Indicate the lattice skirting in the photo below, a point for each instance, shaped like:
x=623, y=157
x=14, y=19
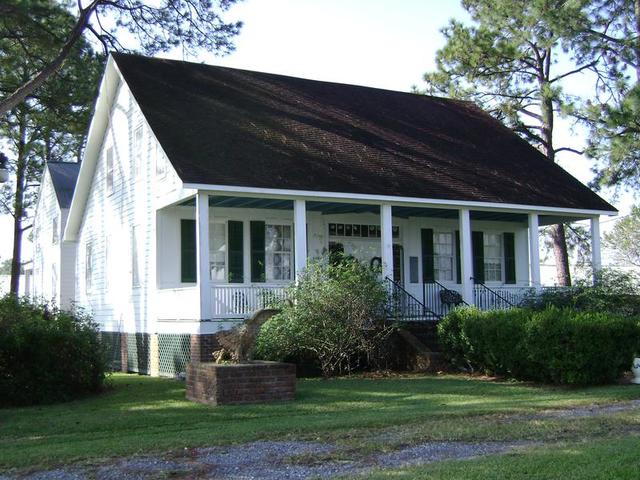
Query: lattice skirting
x=162, y=354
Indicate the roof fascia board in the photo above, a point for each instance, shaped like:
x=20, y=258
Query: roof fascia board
x=397, y=201
x=99, y=122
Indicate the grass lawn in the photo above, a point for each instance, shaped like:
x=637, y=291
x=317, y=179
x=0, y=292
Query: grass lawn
x=608, y=459
x=143, y=414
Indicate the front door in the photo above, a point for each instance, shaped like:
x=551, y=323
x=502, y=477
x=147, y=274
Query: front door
x=398, y=264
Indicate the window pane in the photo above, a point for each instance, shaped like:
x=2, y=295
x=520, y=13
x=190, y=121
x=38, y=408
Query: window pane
x=218, y=251
x=278, y=248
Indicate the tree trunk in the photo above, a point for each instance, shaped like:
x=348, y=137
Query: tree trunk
x=636, y=11
x=18, y=209
x=561, y=255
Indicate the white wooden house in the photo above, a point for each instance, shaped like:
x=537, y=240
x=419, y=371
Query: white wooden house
x=204, y=190
x=54, y=260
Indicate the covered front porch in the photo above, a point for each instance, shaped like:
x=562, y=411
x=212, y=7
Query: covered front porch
x=222, y=256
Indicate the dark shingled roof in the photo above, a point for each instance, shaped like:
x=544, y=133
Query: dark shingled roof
x=63, y=177
x=232, y=127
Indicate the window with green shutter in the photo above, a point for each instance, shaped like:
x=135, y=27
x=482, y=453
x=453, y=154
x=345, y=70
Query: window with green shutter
x=509, y=257
x=188, y=255
x=477, y=245
x=257, y=233
x=236, y=254
x=428, y=272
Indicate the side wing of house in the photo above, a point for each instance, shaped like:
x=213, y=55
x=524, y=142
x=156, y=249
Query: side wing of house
x=47, y=228
x=116, y=236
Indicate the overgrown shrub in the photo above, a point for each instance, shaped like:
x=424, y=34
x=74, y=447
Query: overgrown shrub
x=47, y=355
x=553, y=345
x=336, y=318
x=614, y=292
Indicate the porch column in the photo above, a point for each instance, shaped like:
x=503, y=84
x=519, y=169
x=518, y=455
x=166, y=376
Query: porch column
x=202, y=251
x=534, y=250
x=300, y=231
x=596, y=255
x=386, y=238
x=466, y=253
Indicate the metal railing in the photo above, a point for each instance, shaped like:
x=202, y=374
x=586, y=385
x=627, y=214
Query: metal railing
x=485, y=298
x=440, y=298
x=405, y=307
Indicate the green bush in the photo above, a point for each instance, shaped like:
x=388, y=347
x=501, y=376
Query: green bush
x=47, y=355
x=336, y=318
x=553, y=345
x=614, y=292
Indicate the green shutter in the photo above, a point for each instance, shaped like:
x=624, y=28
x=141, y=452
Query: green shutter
x=257, y=251
x=509, y=257
x=428, y=271
x=236, y=253
x=458, y=259
x=477, y=245
x=188, y=255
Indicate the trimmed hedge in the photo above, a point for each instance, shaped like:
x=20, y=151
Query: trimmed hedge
x=47, y=355
x=554, y=345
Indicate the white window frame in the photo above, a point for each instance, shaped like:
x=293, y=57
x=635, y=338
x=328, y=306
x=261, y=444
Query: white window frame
x=137, y=151
x=55, y=230
x=135, y=256
x=268, y=223
x=161, y=162
x=88, y=266
x=54, y=281
x=498, y=260
x=226, y=250
x=436, y=270
x=109, y=176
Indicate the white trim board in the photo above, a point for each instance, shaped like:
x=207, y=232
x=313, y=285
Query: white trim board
x=394, y=201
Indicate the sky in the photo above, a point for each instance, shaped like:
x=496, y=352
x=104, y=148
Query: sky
x=380, y=43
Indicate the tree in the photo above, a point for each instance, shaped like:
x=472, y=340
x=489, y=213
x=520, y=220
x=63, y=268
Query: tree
x=614, y=115
x=514, y=61
x=49, y=124
x=156, y=26
x=624, y=239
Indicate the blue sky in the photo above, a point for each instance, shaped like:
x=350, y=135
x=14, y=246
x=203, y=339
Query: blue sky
x=379, y=43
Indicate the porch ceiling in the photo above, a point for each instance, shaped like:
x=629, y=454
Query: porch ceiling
x=333, y=208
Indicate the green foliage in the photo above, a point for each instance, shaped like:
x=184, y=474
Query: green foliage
x=624, y=238
x=47, y=355
x=553, y=345
x=335, y=318
x=614, y=292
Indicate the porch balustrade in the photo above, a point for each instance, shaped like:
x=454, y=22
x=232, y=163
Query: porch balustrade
x=240, y=301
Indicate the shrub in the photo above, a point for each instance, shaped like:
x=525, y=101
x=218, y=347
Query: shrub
x=614, y=292
x=335, y=319
x=47, y=355
x=552, y=345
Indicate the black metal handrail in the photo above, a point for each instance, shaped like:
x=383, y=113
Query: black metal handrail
x=494, y=293
x=447, y=289
x=411, y=307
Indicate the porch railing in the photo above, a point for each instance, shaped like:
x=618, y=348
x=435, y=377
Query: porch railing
x=240, y=301
x=405, y=307
x=440, y=298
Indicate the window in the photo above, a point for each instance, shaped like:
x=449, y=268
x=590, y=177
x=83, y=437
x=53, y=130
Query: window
x=493, y=257
x=109, y=171
x=137, y=150
x=55, y=233
x=135, y=266
x=443, y=256
x=161, y=161
x=88, y=266
x=54, y=281
x=278, y=249
x=218, y=251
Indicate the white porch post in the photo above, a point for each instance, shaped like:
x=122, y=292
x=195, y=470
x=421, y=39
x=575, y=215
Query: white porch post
x=466, y=262
x=202, y=249
x=596, y=255
x=300, y=230
x=386, y=238
x=534, y=250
